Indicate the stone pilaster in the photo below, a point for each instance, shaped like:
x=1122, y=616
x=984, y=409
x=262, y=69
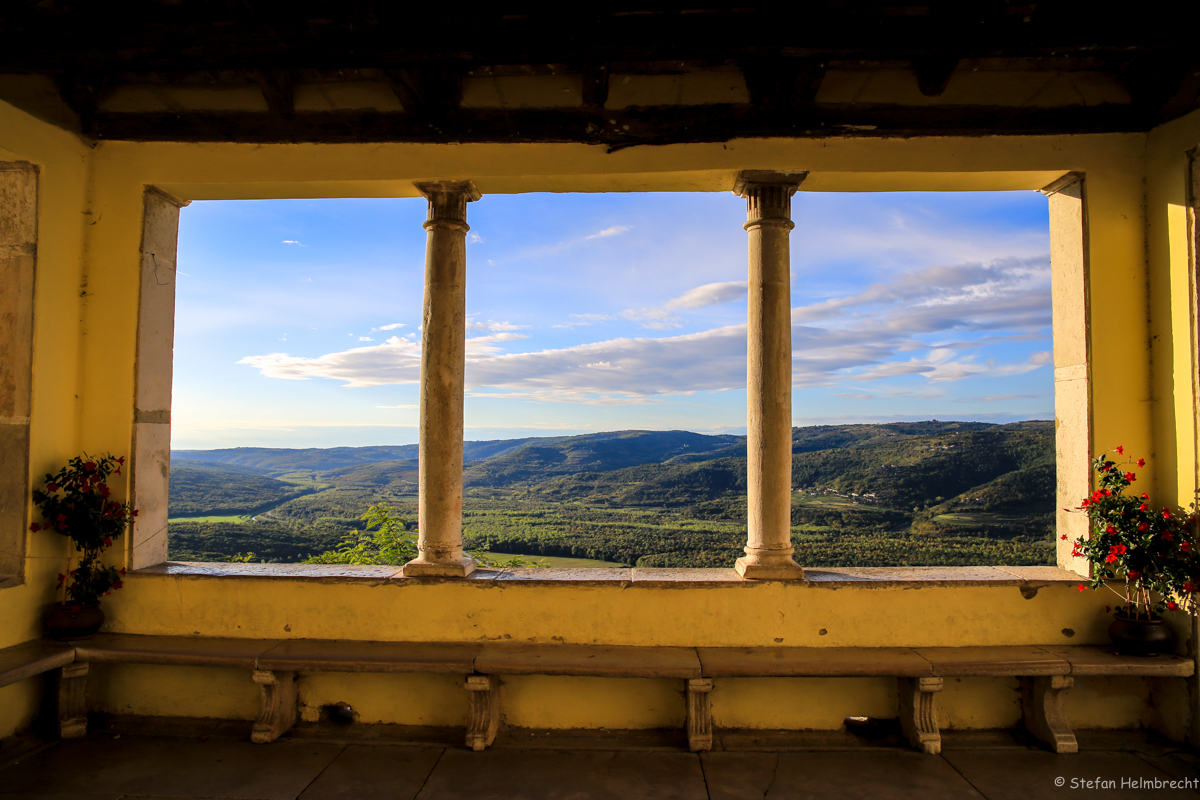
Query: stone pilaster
x=443, y=362
x=769, y=376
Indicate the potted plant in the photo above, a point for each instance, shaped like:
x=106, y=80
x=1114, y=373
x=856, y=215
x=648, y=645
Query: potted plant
x=1148, y=550
x=76, y=503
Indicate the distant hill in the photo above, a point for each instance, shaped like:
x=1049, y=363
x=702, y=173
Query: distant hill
x=595, y=452
x=200, y=488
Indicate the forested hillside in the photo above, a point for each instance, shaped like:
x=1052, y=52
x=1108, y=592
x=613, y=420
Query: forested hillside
x=867, y=495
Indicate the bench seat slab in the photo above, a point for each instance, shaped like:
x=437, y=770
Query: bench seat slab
x=186, y=651
x=918, y=713
x=594, y=660
x=331, y=655
x=1016, y=660
x=1098, y=660
x=812, y=662
x=31, y=658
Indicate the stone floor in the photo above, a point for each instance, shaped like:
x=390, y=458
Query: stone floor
x=146, y=762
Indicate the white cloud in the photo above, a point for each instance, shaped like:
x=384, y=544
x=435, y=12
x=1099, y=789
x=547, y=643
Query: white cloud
x=408, y=407
x=293, y=241
x=391, y=327
x=710, y=294
x=860, y=338
x=995, y=398
x=475, y=238
x=615, y=230
x=365, y=339
x=492, y=325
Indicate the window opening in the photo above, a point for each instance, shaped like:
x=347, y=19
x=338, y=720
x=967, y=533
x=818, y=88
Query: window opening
x=605, y=402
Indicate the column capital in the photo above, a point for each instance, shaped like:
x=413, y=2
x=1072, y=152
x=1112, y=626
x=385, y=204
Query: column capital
x=448, y=201
x=768, y=194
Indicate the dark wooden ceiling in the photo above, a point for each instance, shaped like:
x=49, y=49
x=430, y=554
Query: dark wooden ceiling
x=62, y=60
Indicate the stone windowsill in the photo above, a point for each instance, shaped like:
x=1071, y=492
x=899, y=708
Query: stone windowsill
x=9, y=581
x=850, y=577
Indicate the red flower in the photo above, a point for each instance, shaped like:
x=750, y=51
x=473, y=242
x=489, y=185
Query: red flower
x=1120, y=450
x=107, y=542
x=1085, y=503
x=1134, y=574
x=35, y=527
x=1119, y=549
x=90, y=466
x=1081, y=587
x=121, y=460
x=1129, y=476
x=1110, y=529
x=1143, y=527
x=117, y=584
x=1189, y=587
x=52, y=487
x=1171, y=604
x=1110, y=558
x=1168, y=536
x=1185, y=547
x=1141, y=462
x=1063, y=537
x=104, y=491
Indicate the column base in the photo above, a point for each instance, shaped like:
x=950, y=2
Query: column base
x=455, y=568
x=762, y=567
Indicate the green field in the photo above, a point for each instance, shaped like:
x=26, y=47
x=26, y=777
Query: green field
x=551, y=561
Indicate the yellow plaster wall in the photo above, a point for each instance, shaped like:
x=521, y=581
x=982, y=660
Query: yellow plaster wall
x=85, y=343
x=54, y=424
x=1173, y=313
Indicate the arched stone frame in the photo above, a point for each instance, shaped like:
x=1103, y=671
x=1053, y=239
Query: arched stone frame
x=150, y=465
x=18, y=267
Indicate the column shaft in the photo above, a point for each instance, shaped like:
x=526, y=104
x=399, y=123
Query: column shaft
x=443, y=362
x=769, y=378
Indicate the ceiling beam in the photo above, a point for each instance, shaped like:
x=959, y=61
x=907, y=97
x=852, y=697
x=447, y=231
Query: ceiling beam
x=617, y=129
x=277, y=90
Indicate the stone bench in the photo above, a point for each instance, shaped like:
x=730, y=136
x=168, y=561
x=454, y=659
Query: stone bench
x=1046, y=673
x=29, y=659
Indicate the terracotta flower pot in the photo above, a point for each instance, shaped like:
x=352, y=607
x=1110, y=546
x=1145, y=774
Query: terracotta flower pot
x=68, y=621
x=1141, y=637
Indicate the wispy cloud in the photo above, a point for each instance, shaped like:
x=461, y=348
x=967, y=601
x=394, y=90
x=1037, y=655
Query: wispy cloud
x=615, y=230
x=871, y=336
x=996, y=398
x=365, y=339
x=393, y=326
x=293, y=241
x=710, y=294
x=492, y=325
x=402, y=406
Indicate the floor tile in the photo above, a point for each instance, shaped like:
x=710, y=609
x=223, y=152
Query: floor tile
x=176, y=767
x=560, y=775
x=367, y=772
x=879, y=775
x=1008, y=775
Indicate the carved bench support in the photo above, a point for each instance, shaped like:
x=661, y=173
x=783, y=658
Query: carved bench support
x=699, y=714
x=918, y=713
x=1042, y=700
x=72, y=700
x=483, y=710
x=277, y=712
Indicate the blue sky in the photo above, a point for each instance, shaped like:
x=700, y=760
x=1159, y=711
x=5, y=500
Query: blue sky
x=297, y=321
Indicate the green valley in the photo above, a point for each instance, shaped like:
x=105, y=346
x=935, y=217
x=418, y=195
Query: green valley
x=922, y=493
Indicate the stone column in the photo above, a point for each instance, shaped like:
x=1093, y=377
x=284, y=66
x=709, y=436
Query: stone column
x=769, y=376
x=443, y=361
